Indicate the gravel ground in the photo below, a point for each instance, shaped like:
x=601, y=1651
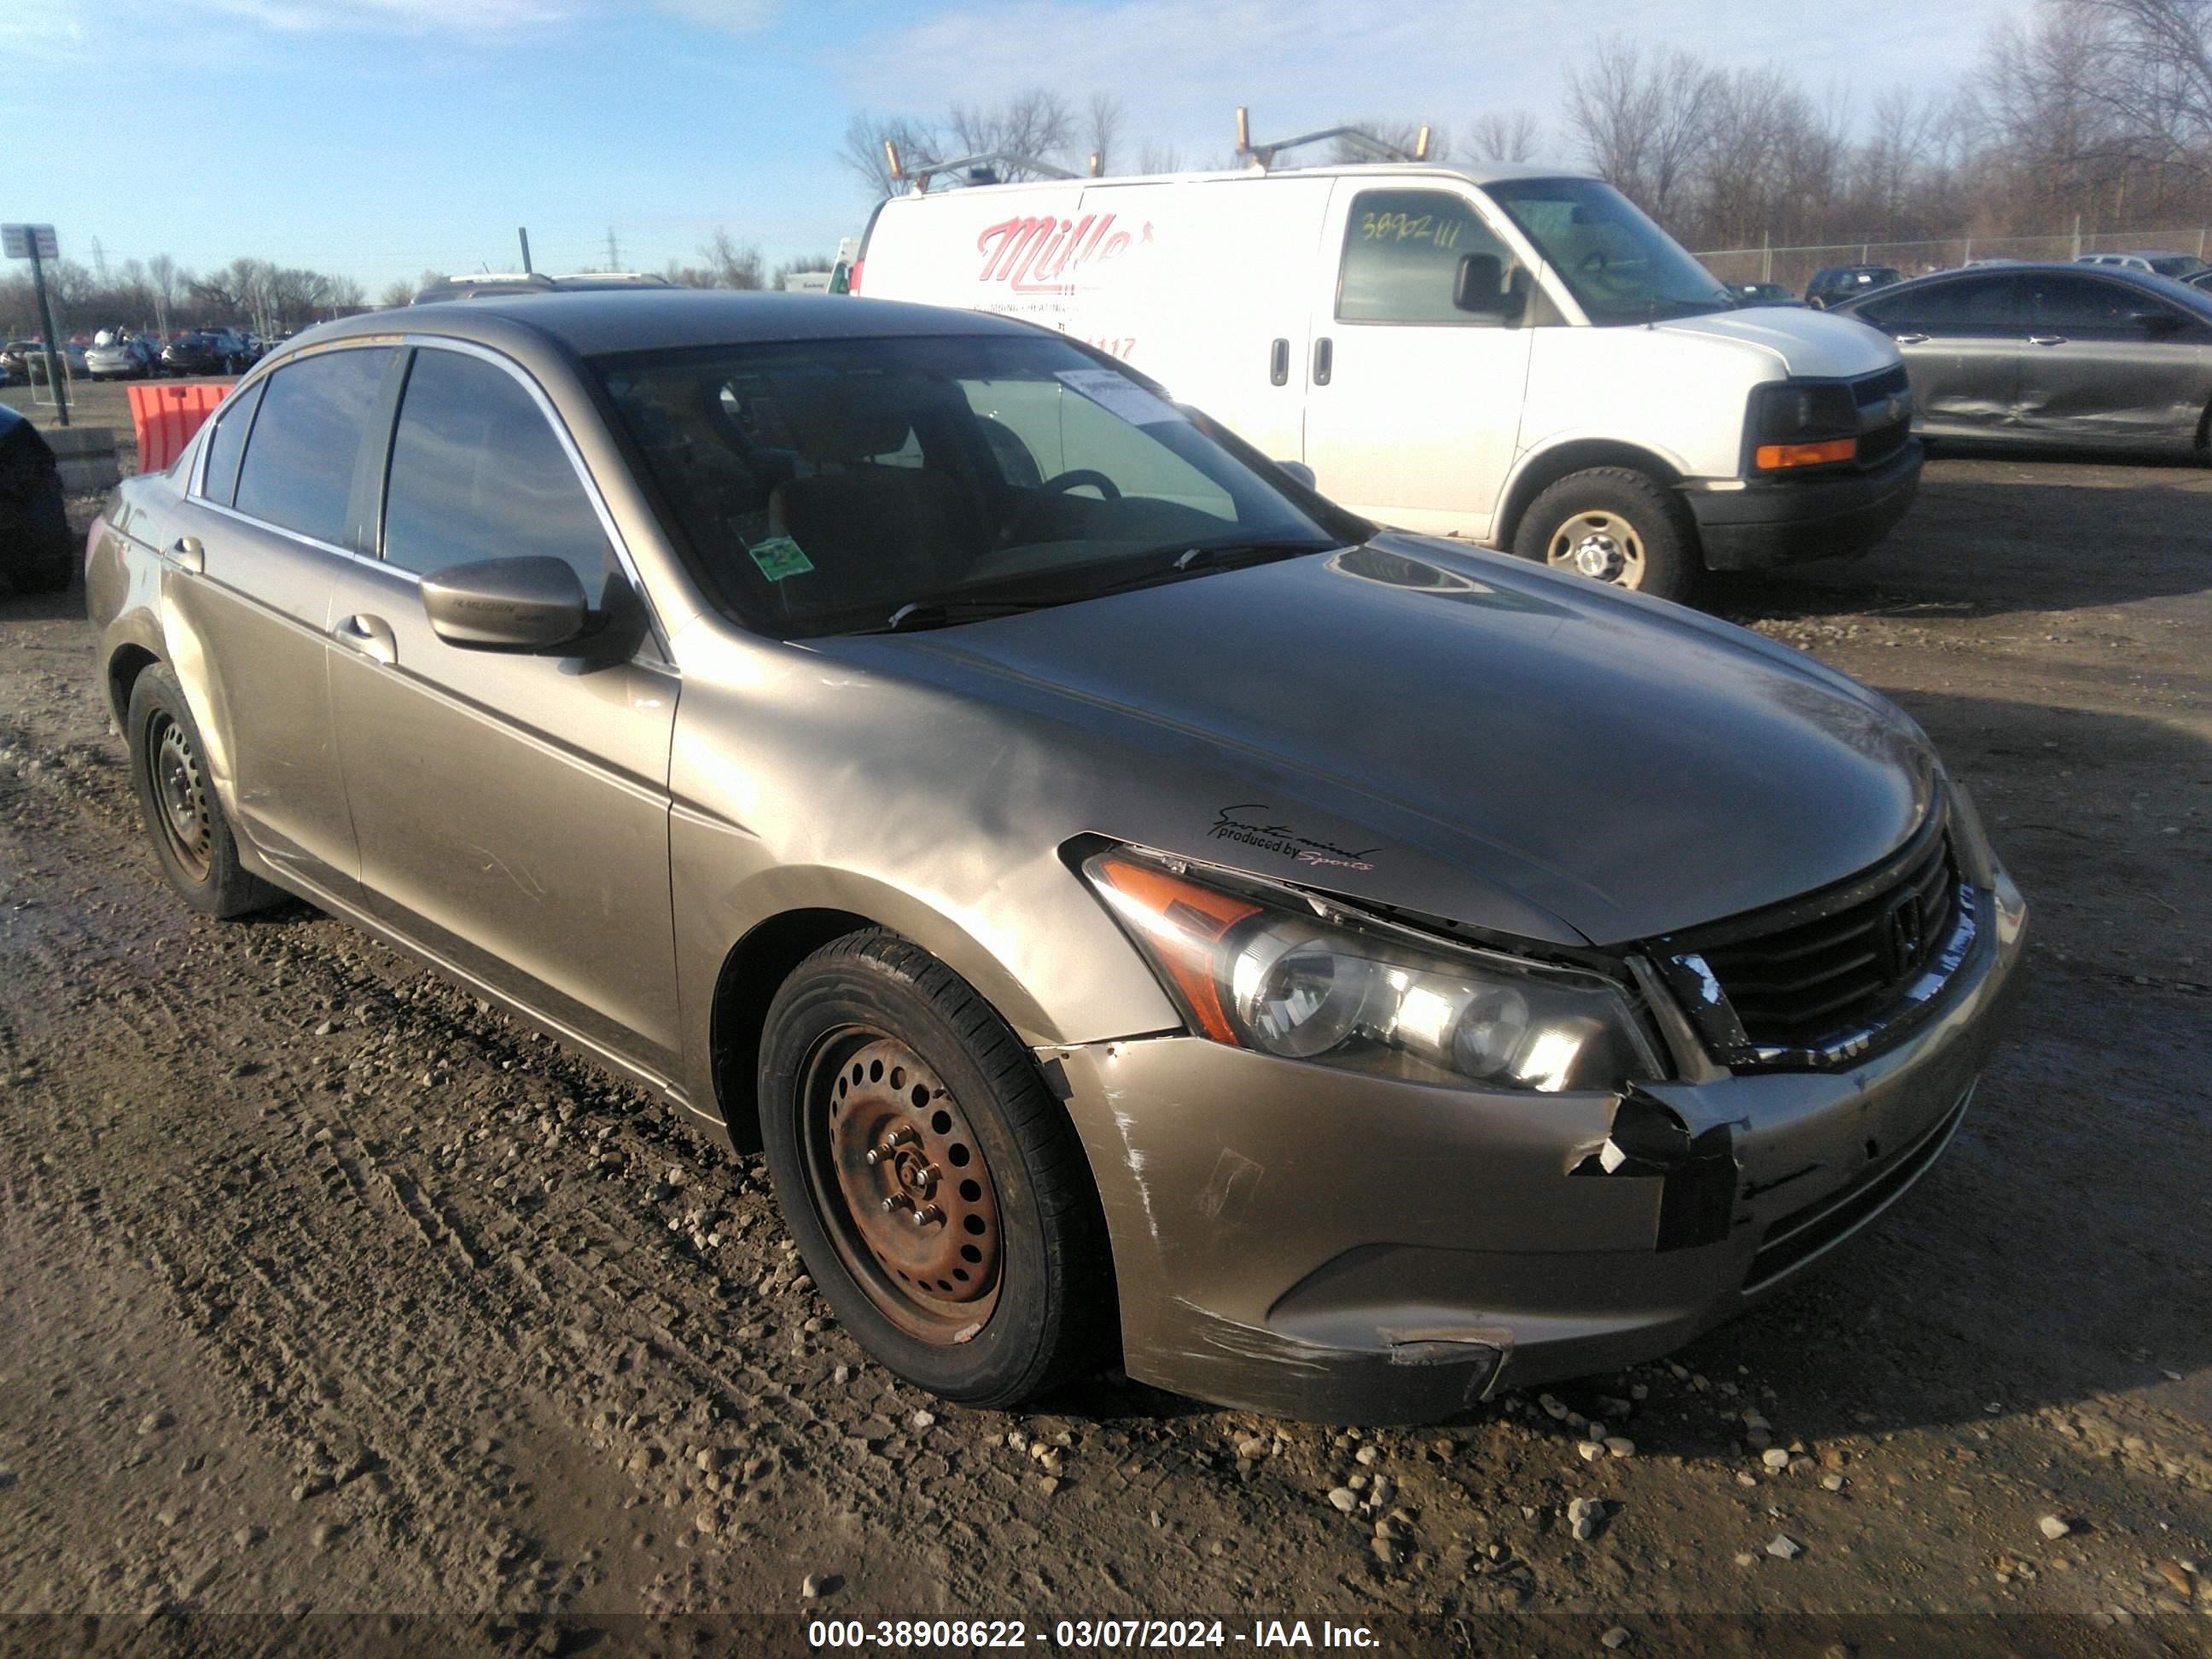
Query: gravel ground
x=325, y=1287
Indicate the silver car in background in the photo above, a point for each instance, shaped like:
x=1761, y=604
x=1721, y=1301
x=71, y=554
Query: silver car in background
x=1136, y=904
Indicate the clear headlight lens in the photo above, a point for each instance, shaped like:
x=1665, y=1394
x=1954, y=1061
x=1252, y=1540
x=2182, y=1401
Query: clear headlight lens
x=1259, y=969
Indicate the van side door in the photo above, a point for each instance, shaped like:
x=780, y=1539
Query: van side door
x=1413, y=398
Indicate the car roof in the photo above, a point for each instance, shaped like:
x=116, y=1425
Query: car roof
x=2148, y=281
x=597, y=322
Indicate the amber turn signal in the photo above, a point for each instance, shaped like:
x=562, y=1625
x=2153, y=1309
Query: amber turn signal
x=1774, y=458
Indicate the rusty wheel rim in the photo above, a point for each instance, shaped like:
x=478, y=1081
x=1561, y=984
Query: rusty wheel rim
x=181, y=793
x=901, y=1182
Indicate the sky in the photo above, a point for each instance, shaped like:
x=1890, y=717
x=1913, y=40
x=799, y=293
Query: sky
x=376, y=138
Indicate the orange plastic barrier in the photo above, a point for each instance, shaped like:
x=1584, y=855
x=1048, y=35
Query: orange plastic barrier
x=165, y=417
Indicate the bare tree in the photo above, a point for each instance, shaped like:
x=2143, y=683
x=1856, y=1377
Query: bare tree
x=1153, y=158
x=727, y=265
x=1644, y=122
x=2156, y=56
x=1036, y=124
x=1504, y=135
x=1101, y=131
x=862, y=152
x=396, y=295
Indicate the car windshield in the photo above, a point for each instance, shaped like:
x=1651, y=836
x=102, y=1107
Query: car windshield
x=1620, y=267
x=838, y=486
x=2182, y=266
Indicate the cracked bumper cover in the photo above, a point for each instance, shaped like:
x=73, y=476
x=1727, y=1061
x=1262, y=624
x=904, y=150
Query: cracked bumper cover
x=1318, y=1243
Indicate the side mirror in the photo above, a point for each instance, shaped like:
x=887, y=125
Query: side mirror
x=1478, y=285
x=1299, y=473
x=506, y=605
x=2156, y=322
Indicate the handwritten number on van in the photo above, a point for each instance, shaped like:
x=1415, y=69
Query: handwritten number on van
x=1411, y=227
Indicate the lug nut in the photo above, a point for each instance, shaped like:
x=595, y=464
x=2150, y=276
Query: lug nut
x=925, y=1217
x=898, y=1201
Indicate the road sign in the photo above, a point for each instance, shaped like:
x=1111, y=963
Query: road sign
x=21, y=241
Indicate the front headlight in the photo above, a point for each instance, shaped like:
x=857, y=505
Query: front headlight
x=1265, y=968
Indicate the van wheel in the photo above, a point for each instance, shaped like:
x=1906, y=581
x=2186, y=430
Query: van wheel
x=935, y=1188
x=1614, y=525
x=191, y=837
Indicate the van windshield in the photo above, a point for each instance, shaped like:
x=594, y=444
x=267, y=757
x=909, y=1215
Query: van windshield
x=1620, y=267
x=860, y=485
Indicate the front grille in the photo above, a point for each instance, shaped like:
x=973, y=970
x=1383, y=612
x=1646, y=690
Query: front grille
x=1876, y=387
x=1800, y=984
x=1825, y=980
x=1885, y=426
x=1799, y=1237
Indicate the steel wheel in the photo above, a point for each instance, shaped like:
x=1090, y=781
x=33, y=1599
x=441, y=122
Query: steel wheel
x=181, y=793
x=1602, y=545
x=899, y=1178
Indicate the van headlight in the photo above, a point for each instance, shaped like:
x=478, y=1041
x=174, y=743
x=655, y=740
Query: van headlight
x=1265, y=968
x=1798, y=423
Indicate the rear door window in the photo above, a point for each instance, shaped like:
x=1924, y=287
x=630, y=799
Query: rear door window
x=1973, y=305
x=299, y=467
x=477, y=473
x=2085, y=306
x=227, y=444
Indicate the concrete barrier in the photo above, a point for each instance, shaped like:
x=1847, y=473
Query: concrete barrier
x=85, y=456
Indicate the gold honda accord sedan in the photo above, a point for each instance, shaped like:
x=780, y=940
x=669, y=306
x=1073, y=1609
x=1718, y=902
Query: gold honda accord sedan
x=1137, y=905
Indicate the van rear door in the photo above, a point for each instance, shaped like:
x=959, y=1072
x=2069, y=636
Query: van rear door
x=1412, y=402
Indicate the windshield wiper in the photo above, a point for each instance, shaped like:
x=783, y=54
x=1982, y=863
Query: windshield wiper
x=917, y=614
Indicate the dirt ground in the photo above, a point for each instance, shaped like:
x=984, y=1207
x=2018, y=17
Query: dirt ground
x=322, y=1287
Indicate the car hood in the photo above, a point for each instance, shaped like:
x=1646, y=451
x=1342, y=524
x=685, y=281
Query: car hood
x=1809, y=343
x=1454, y=733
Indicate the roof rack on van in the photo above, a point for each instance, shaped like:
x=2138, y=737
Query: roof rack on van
x=983, y=162
x=1263, y=156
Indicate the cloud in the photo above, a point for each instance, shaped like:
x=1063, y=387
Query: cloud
x=730, y=16
x=1182, y=66
x=478, y=17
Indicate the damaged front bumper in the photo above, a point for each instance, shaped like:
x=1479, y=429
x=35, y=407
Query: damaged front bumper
x=1319, y=1244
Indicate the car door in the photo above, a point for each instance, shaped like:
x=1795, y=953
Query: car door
x=261, y=534
x=1412, y=404
x=2112, y=363
x=1961, y=341
x=512, y=808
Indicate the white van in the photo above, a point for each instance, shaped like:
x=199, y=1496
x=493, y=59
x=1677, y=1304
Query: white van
x=1511, y=353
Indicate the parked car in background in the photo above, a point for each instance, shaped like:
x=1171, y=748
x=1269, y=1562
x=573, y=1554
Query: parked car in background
x=192, y=353
x=1835, y=284
x=1763, y=294
x=33, y=366
x=1138, y=904
x=2180, y=266
x=2202, y=279
x=2106, y=356
x=124, y=357
x=1426, y=341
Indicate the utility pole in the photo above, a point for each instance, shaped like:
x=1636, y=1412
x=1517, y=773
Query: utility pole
x=37, y=244
x=614, y=250
x=523, y=232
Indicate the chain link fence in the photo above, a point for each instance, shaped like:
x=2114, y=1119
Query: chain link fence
x=1793, y=267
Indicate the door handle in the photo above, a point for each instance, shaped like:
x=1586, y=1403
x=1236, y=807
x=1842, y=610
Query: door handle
x=186, y=554
x=371, y=637
x=1279, y=363
x=2046, y=339
x=1909, y=339
x=1324, y=359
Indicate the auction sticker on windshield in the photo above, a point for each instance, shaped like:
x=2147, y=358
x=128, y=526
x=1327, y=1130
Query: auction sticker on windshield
x=1118, y=396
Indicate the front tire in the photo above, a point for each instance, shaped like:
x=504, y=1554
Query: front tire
x=1616, y=525
x=192, y=839
x=935, y=1188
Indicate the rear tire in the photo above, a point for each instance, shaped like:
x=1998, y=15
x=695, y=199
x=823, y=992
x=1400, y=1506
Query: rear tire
x=935, y=1188
x=192, y=839
x=1618, y=526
